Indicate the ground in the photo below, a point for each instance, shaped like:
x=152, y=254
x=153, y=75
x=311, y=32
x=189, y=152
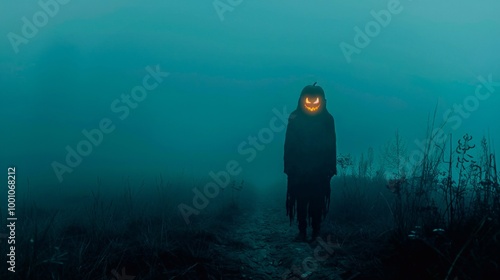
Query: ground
x=247, y=238
x=259, y=245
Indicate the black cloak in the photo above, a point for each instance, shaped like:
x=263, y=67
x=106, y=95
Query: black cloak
x=310, y=156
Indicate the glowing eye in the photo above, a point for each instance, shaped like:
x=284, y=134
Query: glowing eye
x=307, y=100
x=317, y=100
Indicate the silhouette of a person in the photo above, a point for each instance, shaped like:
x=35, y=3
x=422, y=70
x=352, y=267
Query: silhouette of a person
x=310, y=160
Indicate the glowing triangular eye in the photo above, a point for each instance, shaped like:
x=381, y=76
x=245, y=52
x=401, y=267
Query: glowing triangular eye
x=307, y=100
x=317, y=100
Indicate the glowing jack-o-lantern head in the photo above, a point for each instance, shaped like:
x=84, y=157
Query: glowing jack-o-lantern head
x=312, y=104
x=312, y=99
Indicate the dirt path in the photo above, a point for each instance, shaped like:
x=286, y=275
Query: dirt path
x=263, y=248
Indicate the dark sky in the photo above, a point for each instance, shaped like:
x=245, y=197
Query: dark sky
x=228, y=70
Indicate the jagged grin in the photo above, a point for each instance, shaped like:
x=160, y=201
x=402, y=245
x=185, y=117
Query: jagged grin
x=312, y=106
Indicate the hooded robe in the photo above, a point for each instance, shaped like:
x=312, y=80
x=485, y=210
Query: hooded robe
x=310, y=156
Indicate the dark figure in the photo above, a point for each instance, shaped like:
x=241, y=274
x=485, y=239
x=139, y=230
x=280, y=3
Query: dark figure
x=310, y=160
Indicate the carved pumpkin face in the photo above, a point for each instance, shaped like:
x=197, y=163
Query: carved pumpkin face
x=312, y=104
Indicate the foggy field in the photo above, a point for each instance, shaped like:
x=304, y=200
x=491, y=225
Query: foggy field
x=376, y=229
x=174, y=139
x=245, y=237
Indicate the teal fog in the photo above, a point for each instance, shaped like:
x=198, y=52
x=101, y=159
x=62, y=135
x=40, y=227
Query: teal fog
x=186, y=87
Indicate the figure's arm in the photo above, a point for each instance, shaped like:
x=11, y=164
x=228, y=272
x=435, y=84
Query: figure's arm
x=289, y=149
x=334, y=153
x=332, y=149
